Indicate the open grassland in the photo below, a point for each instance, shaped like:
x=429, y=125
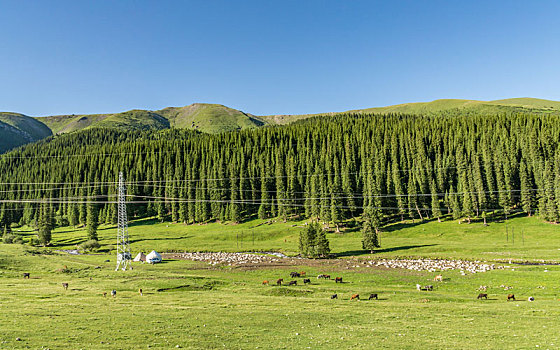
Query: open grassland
x=196, y=306
x=519, y=238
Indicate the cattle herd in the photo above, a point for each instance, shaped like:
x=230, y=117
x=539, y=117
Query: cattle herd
x=302, y=274
x=356, y=296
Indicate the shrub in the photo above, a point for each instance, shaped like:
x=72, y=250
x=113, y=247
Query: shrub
x=91, y=245
x=12, y=239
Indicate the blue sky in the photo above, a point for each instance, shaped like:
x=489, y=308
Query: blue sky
x=272, y=57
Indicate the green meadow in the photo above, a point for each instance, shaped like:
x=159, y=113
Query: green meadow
x=195, y=306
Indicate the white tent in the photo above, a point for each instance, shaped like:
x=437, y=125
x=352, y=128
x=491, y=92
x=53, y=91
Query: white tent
x=140, y=257
x=153, y=257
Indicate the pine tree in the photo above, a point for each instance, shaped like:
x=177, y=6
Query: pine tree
x=321, y=242
x=436, y=211
x=44, y=224
x=370, y=239
x=92, y=217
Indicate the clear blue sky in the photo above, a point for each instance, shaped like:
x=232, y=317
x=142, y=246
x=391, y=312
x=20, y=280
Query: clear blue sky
x=272, y=57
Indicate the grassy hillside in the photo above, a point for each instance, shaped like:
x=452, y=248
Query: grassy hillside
x=18, y=129
x=443, y=106
x=520, y=105
x=61, y=124
x=210, y=118
x=207, y=307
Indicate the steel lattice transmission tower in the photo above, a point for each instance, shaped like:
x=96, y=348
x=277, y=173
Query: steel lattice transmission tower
x=124, y=258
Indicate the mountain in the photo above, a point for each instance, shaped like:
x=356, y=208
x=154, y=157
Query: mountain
x=209, y=118
x=513, y=105
x=18, y=129
x=443, y=106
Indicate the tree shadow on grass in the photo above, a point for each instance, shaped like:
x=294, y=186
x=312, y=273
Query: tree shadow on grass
x=386, y=250
x=403, y=225
x=160, y=239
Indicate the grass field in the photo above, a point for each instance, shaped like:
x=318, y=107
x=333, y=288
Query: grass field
x=229, y=308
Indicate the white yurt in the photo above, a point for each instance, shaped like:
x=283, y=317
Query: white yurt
x=153, y=257
x=140, y=257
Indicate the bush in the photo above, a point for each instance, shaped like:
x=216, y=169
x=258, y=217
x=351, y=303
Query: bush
x=12, y=239
x=90, y=246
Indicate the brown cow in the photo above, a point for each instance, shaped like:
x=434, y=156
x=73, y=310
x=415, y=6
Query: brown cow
x=302, y=273
x=104, y=294
x=355, y=296
x=265, y=282
x=65, y=285
x=482, y=295
x=511, y=297
x=26, y=275
x=438, y=278
x=338, y=279
x=279, y=281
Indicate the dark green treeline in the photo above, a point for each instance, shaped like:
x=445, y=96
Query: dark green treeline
x=331, y=168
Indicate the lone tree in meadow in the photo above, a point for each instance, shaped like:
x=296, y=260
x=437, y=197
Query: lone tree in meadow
x=44, y=224
x=321, y=242
x=92, y=218
x=313, y=242
x=370, y=239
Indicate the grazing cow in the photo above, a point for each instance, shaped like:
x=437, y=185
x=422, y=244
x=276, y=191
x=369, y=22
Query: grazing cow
x=294, y=274
x=104, y=294
x=302, y=273
x=279, y=281
x=425, y=288
x=338, y=279
x=65, y=285
x=113, y=293
x=292, y=283
x=438, y=278
x=531, y=299
x=26, y=275
x=510, y=297
x=355, y=296
x=140, y=291
x=373, y=296
x=334, y=296
x=306, y=280
x=265, y=282
x=324, y=276
x=482, y=295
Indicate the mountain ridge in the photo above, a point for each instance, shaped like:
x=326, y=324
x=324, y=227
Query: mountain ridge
x=17, y=129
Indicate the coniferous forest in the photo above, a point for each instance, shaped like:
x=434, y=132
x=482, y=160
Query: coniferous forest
x=333, y=168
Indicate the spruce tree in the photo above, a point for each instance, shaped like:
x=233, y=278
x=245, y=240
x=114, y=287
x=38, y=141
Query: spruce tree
x=92, y=217
x=321, y=242
x=44, y=224
x=370, y=239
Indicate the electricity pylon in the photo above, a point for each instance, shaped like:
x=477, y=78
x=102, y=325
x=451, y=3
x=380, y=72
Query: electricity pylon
x=124, y=258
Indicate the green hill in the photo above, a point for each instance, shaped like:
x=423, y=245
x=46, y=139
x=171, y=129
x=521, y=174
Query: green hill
x=18, y=129
x=443, y=106
x=210, y=118
x=521, y=105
